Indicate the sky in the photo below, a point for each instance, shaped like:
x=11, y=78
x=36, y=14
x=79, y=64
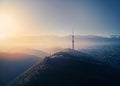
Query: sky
x=59, y=17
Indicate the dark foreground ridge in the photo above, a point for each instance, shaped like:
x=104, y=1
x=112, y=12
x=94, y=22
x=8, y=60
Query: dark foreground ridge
x=69, y=68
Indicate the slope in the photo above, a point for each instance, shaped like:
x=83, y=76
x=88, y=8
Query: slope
x=11, y=65
x=69, y=68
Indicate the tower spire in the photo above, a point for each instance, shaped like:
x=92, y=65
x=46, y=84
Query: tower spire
x=72, y=39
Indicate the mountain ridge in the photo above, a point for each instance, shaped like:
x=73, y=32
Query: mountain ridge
x=65, y=69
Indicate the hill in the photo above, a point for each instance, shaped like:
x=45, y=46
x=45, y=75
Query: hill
x=107, y=54
x=13, y=64
x=69, y=68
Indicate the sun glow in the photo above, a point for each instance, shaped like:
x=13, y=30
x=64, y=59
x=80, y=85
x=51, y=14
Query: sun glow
x=7, y=25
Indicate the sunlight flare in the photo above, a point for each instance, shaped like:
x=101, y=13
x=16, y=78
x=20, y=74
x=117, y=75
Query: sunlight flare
x=7, y=26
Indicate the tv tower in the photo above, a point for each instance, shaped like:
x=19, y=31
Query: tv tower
x=72, y=39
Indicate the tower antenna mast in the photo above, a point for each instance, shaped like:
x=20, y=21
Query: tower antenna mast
x=73, y=39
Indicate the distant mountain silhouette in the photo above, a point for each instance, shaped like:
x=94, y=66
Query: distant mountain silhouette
x=81, y=41
x=30, y=51
x=13, y=64
x=69, y=68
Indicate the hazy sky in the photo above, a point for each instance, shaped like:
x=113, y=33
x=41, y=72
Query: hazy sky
x=58, y=17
